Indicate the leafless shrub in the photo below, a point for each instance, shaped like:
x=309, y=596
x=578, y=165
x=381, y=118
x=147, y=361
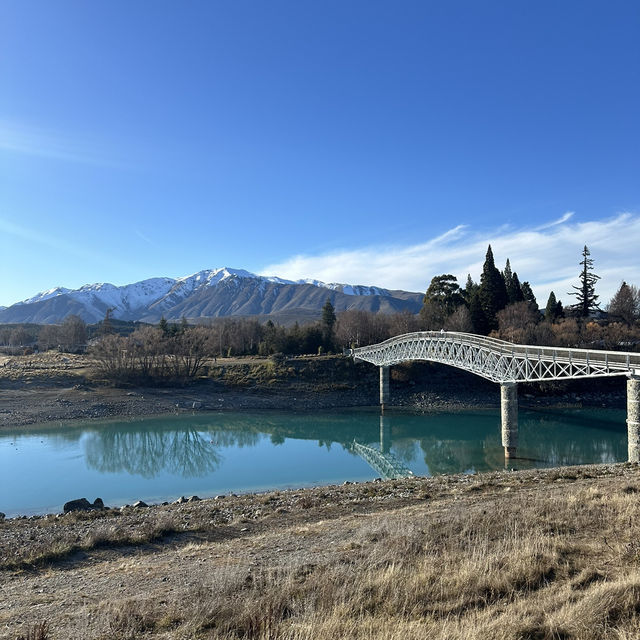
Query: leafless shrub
x=149, y=354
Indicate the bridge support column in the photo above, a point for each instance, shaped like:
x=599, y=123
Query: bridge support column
x=384, y=387
x=509, y=415
x=633, y=417
x=385, y=434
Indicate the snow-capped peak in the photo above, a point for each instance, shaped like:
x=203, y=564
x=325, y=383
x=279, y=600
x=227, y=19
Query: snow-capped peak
x=45, y=295
x=164, y=292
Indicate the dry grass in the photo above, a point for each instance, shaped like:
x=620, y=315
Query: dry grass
x=529, y=567
x=553, y=558
x=107, y=533
x=39, y=631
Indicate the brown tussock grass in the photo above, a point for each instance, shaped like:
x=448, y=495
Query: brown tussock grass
x=557, y=560
x=102, y=535
x=519, y=568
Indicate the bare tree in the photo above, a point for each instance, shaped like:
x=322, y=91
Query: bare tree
x=459, y=320
x=516, y=322
x=73, y=333
x=48, y=336
x=625, y=304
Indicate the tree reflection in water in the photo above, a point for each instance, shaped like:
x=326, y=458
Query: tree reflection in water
x=449, y=443
x=546, y=440
x=186, y=452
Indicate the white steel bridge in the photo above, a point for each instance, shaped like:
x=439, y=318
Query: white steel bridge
x=508, y=364
x=497, y=360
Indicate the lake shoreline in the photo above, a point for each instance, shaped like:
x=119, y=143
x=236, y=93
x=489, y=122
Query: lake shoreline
x=155, y=561
x=39, y=405
x=54, y=388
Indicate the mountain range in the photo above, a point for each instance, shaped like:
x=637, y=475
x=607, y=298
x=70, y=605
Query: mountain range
x=207, y=294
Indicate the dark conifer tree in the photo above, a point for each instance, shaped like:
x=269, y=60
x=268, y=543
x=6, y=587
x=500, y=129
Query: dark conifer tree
x=493, y=292
x=478, y=318
x=514, y=292
x=163, y=325
x=507, y=276
x=551, y=310
x=468, y=290
x=445, y=292
x=586, y=298
x=328, y=322
x=527, y=295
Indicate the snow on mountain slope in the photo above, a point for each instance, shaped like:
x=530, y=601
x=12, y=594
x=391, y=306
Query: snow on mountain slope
x=235, y=290
x=45, y=295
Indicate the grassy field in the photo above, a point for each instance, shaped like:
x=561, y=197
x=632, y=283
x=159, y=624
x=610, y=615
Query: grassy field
x=513, y=555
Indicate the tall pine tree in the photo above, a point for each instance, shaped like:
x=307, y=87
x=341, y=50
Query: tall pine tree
x=527, y=295
x=469, y=289
x=514, y=292
x=585, y=292
x=327, y=323
x=478, y=319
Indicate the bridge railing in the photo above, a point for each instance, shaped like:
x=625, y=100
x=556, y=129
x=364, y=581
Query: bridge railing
x=615, y=360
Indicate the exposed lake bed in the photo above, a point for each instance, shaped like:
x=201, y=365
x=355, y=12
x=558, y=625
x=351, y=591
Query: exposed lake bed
x=157, y=571
x=53, y=387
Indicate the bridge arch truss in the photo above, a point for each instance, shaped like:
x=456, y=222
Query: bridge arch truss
x=498, y=360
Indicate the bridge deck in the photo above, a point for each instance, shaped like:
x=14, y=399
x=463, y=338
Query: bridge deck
x=498, y=360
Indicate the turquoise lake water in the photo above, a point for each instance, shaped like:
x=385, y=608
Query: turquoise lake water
x=207, y=454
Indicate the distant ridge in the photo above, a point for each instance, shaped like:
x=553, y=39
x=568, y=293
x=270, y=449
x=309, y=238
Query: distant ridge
x=210, y=293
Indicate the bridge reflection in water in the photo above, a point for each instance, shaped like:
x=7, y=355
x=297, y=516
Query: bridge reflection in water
x=508, y=364
x=382, y=460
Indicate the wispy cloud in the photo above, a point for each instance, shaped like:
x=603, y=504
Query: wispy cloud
x=23, y=139
x=567, y=216
x=146, y=239
x=546, y=255
x=61, y=247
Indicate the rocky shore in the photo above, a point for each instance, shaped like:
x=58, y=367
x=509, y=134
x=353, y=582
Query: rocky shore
x=55, y=387
x=167, y=571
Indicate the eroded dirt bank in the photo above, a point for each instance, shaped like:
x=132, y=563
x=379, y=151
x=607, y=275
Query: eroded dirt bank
x=53, y=387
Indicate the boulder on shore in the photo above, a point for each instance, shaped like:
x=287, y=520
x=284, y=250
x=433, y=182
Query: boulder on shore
x=82, y=504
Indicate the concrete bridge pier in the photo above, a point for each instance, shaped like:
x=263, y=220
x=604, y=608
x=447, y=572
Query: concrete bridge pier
x=509, y=416
x=384, y=387
x=633, y=416
x=385, y=434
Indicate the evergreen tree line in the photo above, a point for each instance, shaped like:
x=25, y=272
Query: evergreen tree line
x=503, y=307
x=475, y=307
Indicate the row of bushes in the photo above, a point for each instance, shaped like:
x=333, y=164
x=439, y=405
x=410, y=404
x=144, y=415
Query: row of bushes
x=151, y=354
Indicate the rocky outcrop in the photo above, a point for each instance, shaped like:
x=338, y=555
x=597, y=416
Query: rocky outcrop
x=82, y=504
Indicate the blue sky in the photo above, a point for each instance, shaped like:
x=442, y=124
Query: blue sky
x=364, y=142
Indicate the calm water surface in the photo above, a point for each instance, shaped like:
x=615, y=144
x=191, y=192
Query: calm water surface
x=206, y=454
